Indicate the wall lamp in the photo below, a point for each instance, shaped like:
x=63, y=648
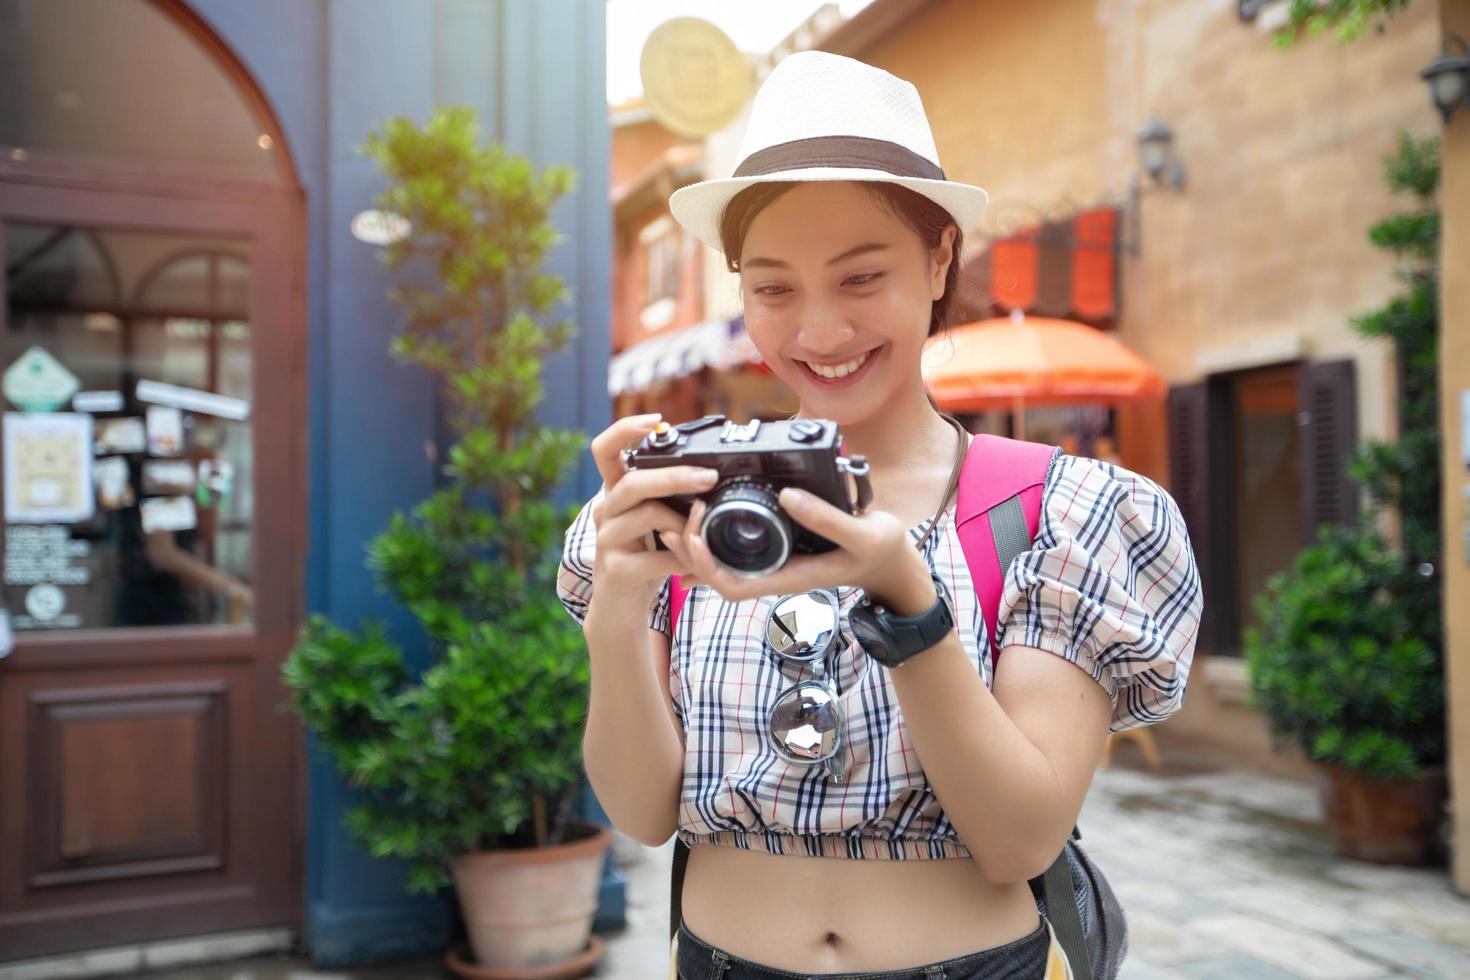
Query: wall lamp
x=1448, y=76
x=1156, y=154
x=1157, y=158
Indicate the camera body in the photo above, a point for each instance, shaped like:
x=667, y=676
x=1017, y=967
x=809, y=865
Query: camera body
x=745, y=527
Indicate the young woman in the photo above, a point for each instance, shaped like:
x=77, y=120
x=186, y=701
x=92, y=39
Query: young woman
x=907, y=854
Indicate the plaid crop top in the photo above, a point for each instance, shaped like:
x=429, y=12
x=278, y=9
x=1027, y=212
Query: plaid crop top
x=1110, y=585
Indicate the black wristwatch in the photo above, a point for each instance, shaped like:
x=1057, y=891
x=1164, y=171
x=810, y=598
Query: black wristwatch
x=891, y=639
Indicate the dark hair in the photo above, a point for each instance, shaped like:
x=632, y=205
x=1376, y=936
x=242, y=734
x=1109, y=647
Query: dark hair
x=925, y=217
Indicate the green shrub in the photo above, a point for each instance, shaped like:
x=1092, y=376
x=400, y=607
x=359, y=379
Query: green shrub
x=482, y=751
x=1350, y=18
x=1341, y=667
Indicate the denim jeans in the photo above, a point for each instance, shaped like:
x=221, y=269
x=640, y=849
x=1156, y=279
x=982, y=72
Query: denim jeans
x=1023, y=959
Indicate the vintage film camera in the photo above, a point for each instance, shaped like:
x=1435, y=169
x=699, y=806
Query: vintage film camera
x=745, y=528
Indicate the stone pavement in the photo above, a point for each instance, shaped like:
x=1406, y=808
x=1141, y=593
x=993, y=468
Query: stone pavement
x=1231, y=874
x=1225, y=875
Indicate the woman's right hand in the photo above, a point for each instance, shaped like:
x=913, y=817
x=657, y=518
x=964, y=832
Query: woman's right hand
x=630, y=512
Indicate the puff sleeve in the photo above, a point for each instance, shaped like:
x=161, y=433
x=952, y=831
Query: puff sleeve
x=574, y=576
x=1110, y=583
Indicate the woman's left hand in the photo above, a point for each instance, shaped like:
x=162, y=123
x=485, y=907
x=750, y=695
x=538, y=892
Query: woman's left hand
x=873, y=553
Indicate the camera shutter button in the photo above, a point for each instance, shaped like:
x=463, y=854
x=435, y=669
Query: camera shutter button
x=663, y=435
x=806, y=430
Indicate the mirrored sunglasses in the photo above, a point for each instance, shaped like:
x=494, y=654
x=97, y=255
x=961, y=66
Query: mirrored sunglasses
x=806, y=721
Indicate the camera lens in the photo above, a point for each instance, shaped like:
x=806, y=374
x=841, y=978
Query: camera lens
x=745, y=529
x=747, y=532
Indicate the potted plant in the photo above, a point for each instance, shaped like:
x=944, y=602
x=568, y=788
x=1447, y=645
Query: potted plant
x=469, y=769
x=1342, y=667
x=1348, y=660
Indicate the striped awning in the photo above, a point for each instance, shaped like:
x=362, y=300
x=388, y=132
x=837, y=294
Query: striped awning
x=721, y=345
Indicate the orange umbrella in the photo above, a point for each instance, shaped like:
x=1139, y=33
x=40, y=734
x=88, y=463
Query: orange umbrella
x=1020, y=360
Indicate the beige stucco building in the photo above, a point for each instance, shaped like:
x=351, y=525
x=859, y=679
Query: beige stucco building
x=1239, y=285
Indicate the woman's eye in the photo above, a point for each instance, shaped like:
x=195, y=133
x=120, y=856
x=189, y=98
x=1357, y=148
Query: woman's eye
x=862, y=278
x=770, y=290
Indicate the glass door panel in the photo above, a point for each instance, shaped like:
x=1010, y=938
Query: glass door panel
x=1268, y=480
x=127, y=451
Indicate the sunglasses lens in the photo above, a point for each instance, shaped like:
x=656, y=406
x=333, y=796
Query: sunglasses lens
x=802, y=626
x=805, y=724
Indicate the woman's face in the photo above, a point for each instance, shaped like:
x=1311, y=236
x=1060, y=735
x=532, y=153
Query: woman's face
x=837, y=293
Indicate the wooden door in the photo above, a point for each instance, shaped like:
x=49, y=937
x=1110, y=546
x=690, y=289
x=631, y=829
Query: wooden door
x=150, y=785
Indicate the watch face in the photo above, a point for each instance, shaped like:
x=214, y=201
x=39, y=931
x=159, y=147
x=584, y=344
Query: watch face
x=869, y=634
x=941, y=591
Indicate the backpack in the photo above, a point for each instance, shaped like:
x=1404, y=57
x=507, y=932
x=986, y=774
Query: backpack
x=997, y=513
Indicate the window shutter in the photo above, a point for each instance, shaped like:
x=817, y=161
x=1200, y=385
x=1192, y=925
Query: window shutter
x=1190, y=457
x=1013, y=270
x=1054, y=269
x=1329, y=435
x=1095, y=266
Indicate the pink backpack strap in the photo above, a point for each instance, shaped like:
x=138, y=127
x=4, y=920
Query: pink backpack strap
x=677, y=595
x=996, y=471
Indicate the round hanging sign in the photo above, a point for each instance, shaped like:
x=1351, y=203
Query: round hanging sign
x=695, y=80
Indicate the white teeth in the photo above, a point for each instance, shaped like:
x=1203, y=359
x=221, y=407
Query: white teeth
x=839, y=370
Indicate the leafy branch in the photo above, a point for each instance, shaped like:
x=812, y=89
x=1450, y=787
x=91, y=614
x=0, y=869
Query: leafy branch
x=1351, y=19
x=483, y=749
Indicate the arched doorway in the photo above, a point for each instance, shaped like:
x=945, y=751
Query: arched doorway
x=153, y=350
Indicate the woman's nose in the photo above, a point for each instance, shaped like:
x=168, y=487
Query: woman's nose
x=824, y=330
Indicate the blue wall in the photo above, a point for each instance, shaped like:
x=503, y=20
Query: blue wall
x=332, y=69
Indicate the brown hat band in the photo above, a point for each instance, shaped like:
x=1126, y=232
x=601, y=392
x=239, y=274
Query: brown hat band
x=860, y=152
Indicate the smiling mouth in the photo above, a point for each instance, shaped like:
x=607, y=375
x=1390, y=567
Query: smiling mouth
x=833, y=372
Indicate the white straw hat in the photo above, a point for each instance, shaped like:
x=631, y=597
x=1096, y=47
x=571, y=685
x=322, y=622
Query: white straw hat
x=821, y=116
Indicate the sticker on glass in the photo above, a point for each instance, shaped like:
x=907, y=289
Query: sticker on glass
x=38, y=382
x=168, y=514
x=193, y=400
x=37, y=553
x=165, y=431
x=46, y=609
x=97, y=401
x=114, y=488
x=216, y=476
x=168, y=477
x=45, y=602
x=48, y=468
x=120, y=436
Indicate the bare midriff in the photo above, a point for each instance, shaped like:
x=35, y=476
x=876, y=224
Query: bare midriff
x=838, y=915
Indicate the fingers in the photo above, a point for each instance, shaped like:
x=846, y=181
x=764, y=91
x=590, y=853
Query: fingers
x=696, y=517
x=800, y=574
x=708, y=571
x=691, y=531
x=633, y=525
x=862, y=544
x=640, y=485
x=640, y=566
x=674, y=541
x=608, y=445
x=731, y=586
x=816, y=514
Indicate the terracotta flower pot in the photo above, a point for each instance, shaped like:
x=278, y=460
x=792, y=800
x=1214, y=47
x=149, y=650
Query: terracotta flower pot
x=1386, y=821
x=532, y=908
